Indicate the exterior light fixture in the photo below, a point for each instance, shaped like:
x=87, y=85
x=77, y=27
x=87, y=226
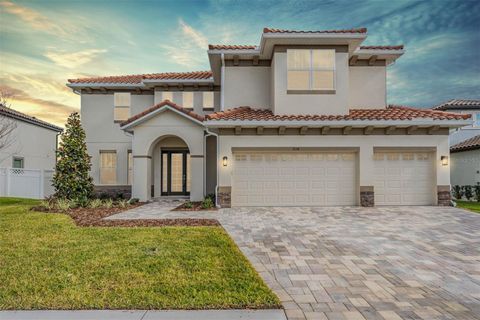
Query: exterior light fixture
x=225, y=161
x=444, y=160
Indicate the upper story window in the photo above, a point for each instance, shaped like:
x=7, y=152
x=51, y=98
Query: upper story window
x=167, y=95
x=121, y=106
x=311, y=69
x=207, y=100
x=187, y=99
x=476, y=117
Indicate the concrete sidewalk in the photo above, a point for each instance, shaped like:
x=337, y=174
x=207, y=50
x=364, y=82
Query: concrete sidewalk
x=144, y=315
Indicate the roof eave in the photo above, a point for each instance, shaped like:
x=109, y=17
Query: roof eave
x=337, y=123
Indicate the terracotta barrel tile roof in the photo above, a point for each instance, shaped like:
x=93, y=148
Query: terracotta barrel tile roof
x=10, y=113
x=160, y=105
x=469, y=144
x=231, y=47
x=397, y=47
x=273, y=30
x=459, y=104
x=390, y=113
x=137, y=78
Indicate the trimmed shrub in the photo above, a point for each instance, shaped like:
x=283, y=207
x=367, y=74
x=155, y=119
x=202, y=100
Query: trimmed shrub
x=457, y=192
x=477, y=192
x=468, y=192
x=207, y=203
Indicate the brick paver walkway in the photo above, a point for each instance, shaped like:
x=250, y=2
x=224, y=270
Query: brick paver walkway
x=359, y=263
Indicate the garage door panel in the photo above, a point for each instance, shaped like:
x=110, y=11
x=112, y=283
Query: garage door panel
x=294, y=179
x=403, y=178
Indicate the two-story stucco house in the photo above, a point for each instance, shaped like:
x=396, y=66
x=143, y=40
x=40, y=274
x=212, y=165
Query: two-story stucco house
x=31, y=143
x=299, y=120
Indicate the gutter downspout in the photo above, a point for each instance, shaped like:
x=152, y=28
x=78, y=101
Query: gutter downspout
x=222, y=83
x=209, y=133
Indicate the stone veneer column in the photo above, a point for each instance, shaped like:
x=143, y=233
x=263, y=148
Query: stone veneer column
x=225, y=197
x=367, y=196
x=444, y=196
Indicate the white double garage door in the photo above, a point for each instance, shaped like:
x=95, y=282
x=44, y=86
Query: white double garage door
x=330, y=178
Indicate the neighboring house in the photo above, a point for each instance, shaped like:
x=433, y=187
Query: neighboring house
x=463, y=106
x=32, y=144
x=466, y=162
x=299, y=120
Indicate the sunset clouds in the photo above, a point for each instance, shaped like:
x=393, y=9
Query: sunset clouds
x=43, y=43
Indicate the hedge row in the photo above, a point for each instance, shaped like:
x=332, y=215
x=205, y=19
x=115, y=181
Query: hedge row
x=466, y=192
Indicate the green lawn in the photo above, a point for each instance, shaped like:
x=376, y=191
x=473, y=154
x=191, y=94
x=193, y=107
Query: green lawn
x=46, y=262
x=472, y=206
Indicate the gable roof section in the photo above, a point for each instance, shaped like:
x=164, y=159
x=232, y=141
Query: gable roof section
x=166, y=104
x=138, y=78
x=469, y=144
x=14, y=114
x=390, y=113
x=459, y=104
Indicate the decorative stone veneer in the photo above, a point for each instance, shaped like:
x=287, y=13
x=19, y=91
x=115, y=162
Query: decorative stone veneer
x=114, y=191
x=367, y=196
x=225, y=197
x=444, y=196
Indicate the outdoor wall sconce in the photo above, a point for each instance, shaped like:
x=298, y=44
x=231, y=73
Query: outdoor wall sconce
x=444, y=160
x=225, y=161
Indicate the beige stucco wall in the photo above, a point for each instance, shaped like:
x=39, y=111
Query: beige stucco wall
x=368, y=87
x=363, y=144
x=145, y=139
x=465, y=167
x=36, y=145
x=311, y=103
x=247, y=86
x=104, y=134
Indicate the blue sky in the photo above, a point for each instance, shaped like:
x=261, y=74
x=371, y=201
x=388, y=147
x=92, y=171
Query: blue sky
x=43, y=43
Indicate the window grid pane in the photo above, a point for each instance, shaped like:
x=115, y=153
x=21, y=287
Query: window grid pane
x=108, y=167
x=311, y=69
x=187, y=100
x=167, y=95
x=207, y=100
x=130, y=168
x=121, y=113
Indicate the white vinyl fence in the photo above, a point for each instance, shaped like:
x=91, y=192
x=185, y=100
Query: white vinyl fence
x=26, y=183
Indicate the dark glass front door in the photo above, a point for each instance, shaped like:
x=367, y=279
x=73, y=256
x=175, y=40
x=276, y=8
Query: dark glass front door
x=175, y=173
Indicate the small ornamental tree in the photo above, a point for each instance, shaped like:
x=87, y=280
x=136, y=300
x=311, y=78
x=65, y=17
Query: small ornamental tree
x=71, y=179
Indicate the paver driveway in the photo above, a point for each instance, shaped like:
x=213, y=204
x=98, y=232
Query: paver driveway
x=361, y=263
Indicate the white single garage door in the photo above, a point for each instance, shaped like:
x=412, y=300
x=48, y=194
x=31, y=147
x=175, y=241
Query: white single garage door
x=404, y=178
x=294, y=179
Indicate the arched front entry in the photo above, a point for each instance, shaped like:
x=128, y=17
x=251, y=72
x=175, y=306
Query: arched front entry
x=167, y=136
x=171, y=167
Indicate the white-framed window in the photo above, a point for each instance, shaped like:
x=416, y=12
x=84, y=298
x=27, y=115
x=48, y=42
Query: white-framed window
x=187, y=99
x=108, y=167
x=130, y=167
x=18, y=163
x=311, y=69
x=167, y=95
x=208, y=100
x=122, y=101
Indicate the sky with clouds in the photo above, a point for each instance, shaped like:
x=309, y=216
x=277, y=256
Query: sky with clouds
x=43, y=43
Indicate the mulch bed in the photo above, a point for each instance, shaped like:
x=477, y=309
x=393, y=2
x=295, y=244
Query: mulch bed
x=93, y=217
x=196, y=206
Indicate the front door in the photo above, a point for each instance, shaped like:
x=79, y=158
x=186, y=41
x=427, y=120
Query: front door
x=175, y=172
